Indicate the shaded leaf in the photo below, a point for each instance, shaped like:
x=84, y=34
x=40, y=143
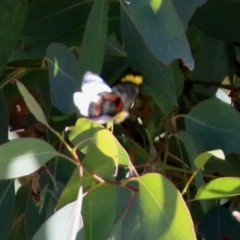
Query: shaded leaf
x=186, y=9
x=159, y=79
x=63, y=74
x=94, y=39
x=32, y=104
x=13, y=14
x=218, y=223
x=166, y=38
x=219, y=19
x=46, y=18
x=4, y=118
x=214, y=125
x=212, y=63
x=34, y=48
x=7, y=207
x=192, y=154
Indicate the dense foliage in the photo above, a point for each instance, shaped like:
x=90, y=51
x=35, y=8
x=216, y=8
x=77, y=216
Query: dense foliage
x=170, y=171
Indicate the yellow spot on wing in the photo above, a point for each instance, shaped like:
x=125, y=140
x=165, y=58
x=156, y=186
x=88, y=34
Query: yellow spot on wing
x=120, y=117
x=138, y=80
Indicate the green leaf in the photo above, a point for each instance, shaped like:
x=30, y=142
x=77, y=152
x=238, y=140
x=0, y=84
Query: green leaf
x=4, y=118
x=82, y=132
x=163, y=212
x=33, y=48
x=7, y=207
x=219, y=223
x=219, y=188
x=21, y=157
x=212, y=63
x=128, y=226
x=94, y=40
x=35, y=216
x=192, y=154
x=214, y=125
x=32, y=104
x=217, y=18
x=123, y=158
x=59, y=225
x=201, y=159
x=101, y=158
x=185, y=9
x=160, y=29
x=63, y=74
x=70, y=192
x=13, y=14
x=46, y=18
x=96, y=204
x=159, y=81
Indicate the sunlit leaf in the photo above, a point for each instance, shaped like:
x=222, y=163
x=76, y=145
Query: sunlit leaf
x=201, y=159
x=219, y=188
x=60, y=225
x=163, y=212
x=21, y=157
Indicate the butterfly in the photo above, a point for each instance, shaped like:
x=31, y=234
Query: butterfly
x=100, y=103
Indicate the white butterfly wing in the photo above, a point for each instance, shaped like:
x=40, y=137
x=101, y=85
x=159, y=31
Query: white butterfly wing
x=83, y=100
x=92, y=84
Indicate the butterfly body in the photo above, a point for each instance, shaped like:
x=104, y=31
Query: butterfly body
x=101, y=103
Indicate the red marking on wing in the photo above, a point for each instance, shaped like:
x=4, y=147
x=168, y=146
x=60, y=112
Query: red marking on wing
x=99, y=110
x=115, y=99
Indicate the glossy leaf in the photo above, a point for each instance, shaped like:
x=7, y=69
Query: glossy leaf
x=63, y=74
x=214, y=125
x=166, y=38
x=21, y=157
x=13, y=14
x=32, y=104
x=94, y=40
x=46, y=18
x=163, y=213
x=219, y=188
